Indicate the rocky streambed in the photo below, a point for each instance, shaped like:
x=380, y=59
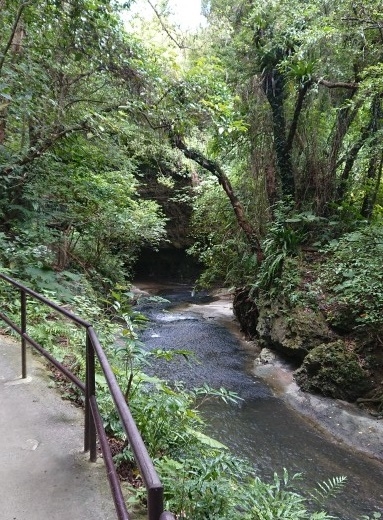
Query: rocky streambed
x=276, y=425
x=346, y=422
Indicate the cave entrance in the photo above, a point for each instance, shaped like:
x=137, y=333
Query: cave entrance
x=167, y=264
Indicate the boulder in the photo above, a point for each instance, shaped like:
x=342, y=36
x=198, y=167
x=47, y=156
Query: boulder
x=246, y=311
x=292, y=331
x=333, y=370
x=265, y=357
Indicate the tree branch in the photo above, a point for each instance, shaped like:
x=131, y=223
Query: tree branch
x=337, y=84
x=179, y=45
x=298, y=108
x=56, y=135
x=12, y=35
x=216, y=170
x=44, y=145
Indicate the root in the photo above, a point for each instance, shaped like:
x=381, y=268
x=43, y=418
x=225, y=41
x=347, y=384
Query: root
x=376, y=399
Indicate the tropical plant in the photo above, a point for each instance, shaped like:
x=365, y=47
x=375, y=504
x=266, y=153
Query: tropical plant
x=268, y=501
x=351, y=277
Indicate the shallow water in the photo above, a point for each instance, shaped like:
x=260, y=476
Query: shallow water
x=261, y=428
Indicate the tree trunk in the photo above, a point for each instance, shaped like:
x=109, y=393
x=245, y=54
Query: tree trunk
x=374, y=171
x=3, y=123
x=273, y=85
x=345, y=117
x=367, y=132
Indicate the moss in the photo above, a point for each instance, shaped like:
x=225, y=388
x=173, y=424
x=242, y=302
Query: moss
x=333, y=370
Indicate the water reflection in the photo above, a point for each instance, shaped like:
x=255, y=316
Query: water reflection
x=272, y=437
x=262, y=428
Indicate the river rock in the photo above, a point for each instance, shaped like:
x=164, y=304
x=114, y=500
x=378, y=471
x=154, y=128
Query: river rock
x=333, y=370
x=265, y=357
x=344, y=367
x=292, y=331
x=246, y=311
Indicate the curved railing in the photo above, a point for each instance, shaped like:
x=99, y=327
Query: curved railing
x=93, y=421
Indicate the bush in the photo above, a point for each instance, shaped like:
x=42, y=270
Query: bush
x=352, y=280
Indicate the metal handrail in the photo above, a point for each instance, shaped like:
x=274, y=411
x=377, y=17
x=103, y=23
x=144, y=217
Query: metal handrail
x=93, y=421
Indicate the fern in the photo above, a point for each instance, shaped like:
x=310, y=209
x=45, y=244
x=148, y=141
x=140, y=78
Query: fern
x=328, y=488
x=265, y=501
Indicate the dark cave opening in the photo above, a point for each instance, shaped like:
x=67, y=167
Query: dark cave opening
x=167, y=264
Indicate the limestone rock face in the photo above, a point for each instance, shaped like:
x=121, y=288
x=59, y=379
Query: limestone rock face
x=332, y=362
x=293, y=332
x=333, y=370
x=170, y=260
x=173, y=200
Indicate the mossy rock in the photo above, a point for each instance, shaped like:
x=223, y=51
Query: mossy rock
x=292, y=331
x=342, y=318
x=333, y=370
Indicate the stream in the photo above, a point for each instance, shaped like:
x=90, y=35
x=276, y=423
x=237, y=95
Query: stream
x=261, y=427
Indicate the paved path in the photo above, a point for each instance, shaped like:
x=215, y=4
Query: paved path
x=44, y=474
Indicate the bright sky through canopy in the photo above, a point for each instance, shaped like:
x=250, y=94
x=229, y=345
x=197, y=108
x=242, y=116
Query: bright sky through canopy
x=187, y=13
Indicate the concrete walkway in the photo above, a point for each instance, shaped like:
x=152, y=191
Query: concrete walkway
x=44, y=474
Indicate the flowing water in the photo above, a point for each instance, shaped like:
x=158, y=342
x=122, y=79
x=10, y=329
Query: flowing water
x=261, y=427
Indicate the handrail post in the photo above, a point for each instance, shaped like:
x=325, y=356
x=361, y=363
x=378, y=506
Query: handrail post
x=23, y=311
x=155, y=503
x=93, y=420
x=90, y=390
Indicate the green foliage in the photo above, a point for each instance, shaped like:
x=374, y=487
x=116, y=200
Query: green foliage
x=352, y=278
x=201, y=488
x=67, y=150
x=27, y=258
x=217, y=100
x=284, y=238
x=328, y=488
x=99, y=220
x=205, y=393
x=267, y=501
x=281, y=57
x=218, y=243
x=222, y=487
x=92, y=220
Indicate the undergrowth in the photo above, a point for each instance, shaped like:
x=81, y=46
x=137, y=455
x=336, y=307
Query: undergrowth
x=202, y=479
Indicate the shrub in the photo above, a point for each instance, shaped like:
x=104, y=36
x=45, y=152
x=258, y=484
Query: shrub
x=352, y=279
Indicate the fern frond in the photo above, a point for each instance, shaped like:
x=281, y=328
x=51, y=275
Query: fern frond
x=322, y=515
x=328, y=488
